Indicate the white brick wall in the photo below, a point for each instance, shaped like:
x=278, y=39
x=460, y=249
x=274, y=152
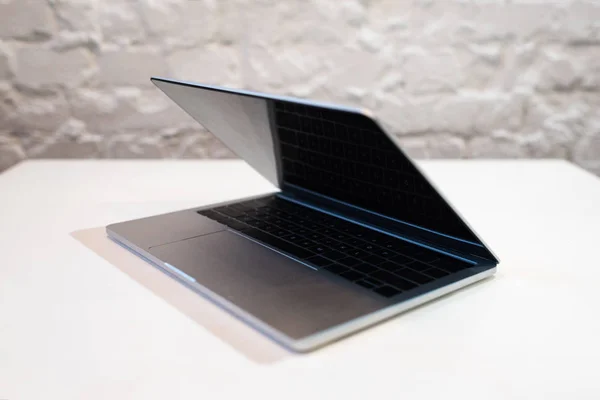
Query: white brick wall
x=452, y=78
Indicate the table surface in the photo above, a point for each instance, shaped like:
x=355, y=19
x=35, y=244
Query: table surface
x=81, y=317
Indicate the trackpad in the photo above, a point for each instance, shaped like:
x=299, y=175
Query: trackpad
x=281, y=292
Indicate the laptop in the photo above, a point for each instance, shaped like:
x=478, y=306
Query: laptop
x=354, y=234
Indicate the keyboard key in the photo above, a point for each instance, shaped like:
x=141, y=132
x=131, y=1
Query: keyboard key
x=399, y=246
x=436, y=273
x=349, y=261
x=257, y=224
x=427, y=257
x=355, y=242
x=236, y=225
x=418, y=266
x=231, y=212
x=342, y=247
x=366, y=284
x=373, y=259
x=364, y=268
x=414, y=276
x=377, y=238
x=340, y=236
x=450, y=264
x=387, y=291
x=293, y=238
x=352, y=275
x=319, y=261
x=367, y=246
x=357, y=253
x=383, y=252
x=336, y=268
x=333, y=255
x=315, y=236
x=245, y=218
x=319, y=249
x=372, y=281
x=393, y=280
x=305, y=243
x=390, y=266
x=326, y=231
x=407, y=183
x=278, y=243
x=400, y=259
x=269, y=227
x=210, y=214
x=289, y=226
x=287, y=136
x=328, y=241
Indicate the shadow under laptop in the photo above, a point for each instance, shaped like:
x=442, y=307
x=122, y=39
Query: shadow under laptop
x=247, y=341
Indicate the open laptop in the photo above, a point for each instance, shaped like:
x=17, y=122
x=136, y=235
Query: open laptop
x=355, y=234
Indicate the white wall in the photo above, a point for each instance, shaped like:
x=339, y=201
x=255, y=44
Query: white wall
x=487, y=78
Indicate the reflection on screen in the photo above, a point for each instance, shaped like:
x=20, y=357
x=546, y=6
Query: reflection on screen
x=347, y=157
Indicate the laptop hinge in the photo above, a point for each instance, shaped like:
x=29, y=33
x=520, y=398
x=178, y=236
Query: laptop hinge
x=458, y=248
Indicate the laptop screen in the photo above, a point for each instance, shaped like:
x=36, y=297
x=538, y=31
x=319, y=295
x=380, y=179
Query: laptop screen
x=346, y=156
x=333, y=152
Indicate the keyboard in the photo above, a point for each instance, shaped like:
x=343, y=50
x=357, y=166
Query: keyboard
x=375, y=261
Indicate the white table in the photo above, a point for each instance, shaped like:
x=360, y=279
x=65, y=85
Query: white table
x=82, y=318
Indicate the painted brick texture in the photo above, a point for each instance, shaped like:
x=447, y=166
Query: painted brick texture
x=450, y=78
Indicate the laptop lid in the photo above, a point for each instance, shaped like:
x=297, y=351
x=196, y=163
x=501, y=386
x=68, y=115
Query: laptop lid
x=337, y=158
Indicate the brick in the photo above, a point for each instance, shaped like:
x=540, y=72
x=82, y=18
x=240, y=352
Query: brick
x=116, y=110
x=102, y=110
x=371, y=40
x=558, y=71
x=587, y=149
x=26, y=19
x=273, y=68
x=578, y=23
x=164, y=17
x=483, y=67
x=500, y=144
x=405, y=115
x=453, y=22
x=120, y=23
x=78, y=15
x=7, y=67
x=70, y=140
x=37, y=67
x=209, y=147
x=426, y=71
x=184, y=23
x=554, y=123
x=330, y=24
x=475, y=113
x=8, y=105
x=130, y=68
x=212, y=64
x=43, y=111
x=352, y=81
x=466, y=114
x=434, y=146
x=498, y=111
x=10, y=153
x=68, y=40
x=135, y=146
x=588, y=63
